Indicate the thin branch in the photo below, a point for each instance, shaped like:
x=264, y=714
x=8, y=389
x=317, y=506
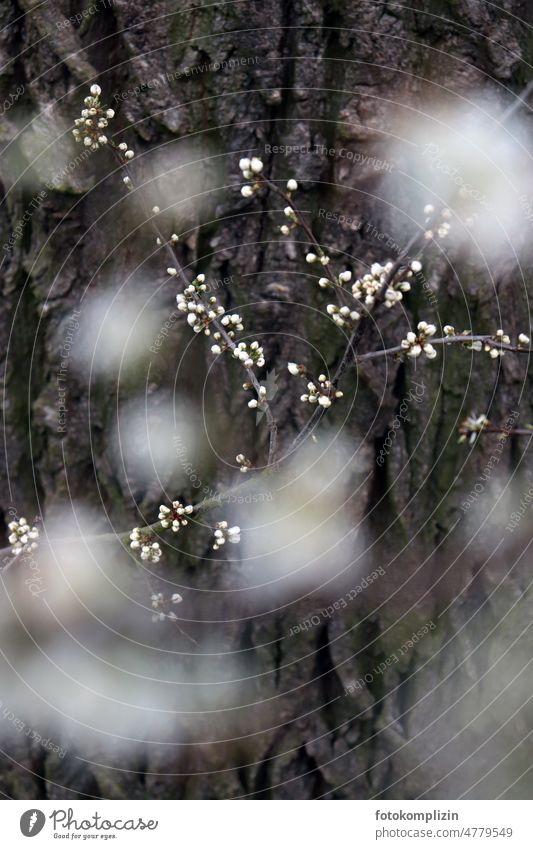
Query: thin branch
x=271, y=421
x=445, y=340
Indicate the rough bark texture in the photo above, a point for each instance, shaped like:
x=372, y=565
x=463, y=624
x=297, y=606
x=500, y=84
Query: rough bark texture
x=439, y=719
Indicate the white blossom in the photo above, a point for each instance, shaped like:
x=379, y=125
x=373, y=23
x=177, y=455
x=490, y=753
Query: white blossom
x=416, y=343
x=321, y=392
x=292, y=185
x=174, y=517
x=342, y=316
x=93, y=119
x=144, y=542
x=369, y=285
x=471, y=427
x=200, y=312
x=22, y=536
x=244, y=463
x=159, y=603
x=249, y=355
x=224, y=534
x=523, y=339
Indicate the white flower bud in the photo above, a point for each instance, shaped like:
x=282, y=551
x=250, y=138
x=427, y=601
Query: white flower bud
x=95, y=90
x=292, y=185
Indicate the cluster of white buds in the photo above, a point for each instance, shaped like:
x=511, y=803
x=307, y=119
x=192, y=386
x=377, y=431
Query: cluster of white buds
x=442, y=226
x=93, y=121
x=231, y=323
x=323, y=394
x=523, y=340
x=471, y=427
x=367, y=287
x=149, y=549
x=174, y=517
x=342, y=316
x=22, y=537
x=251, y=355
x=244, y=463
x=250, y=168
x=199, y=314
x=234, y=322
x=127, y=153
x=224, y=534
x=415, y=343
x=501, y=337
x=394, y=293
x=322, y=258
x=159, y=603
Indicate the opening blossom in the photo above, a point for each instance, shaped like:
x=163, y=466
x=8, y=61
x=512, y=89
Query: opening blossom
x=224, y=534
x=471, y=427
